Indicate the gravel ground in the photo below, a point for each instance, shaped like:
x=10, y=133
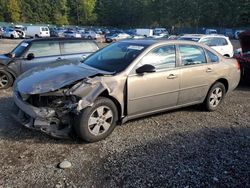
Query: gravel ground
x=183, y=148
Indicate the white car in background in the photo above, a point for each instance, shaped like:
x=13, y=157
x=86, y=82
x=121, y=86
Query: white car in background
x=72, y=34
x=117, y=36
x=220, y=43
x=37, y=31
x=91, y=35
x=211, y=31
x=10, y=33
x=1, y=32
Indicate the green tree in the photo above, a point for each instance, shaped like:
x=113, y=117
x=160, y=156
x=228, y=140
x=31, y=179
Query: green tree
x=13, y=10
x=59, y=12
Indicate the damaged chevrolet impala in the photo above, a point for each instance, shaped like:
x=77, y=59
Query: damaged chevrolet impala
x=123, y=81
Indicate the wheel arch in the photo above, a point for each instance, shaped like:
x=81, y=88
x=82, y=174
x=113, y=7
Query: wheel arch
x=106, y=94
x=223, y=81
x=13, y=74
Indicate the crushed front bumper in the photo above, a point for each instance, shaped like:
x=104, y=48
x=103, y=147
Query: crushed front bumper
x=42, y=119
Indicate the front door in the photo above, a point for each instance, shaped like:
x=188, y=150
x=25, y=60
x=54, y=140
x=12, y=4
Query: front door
x=158, y=90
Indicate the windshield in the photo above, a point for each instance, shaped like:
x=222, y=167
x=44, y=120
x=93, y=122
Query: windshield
x=18, y=51
x=116, y=57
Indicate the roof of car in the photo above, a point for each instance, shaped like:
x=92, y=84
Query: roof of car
x=142, y=41
x=56, y=39
x=150, y=42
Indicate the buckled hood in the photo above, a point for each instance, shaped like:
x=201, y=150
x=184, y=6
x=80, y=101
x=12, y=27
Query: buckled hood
x=48, y=79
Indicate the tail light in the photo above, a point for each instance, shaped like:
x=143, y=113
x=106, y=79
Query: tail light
x=238, y=65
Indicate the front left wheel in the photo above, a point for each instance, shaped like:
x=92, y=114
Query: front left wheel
x=6, y=79
x=98, y=121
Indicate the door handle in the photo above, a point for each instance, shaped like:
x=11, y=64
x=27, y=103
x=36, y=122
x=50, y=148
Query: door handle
x=209, y=70
x=172, y=76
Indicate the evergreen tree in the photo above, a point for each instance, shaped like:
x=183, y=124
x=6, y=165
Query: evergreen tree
x=13, y=11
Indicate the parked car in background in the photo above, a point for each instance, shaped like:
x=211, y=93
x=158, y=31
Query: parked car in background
x=32, y=53
x=159, y=31
x=244, y=56
x=237, y=32
x=160, y=36
x=220, y=43
x=1, y=32
x=145, y=32
x=72, y=34
x=91, y=35
x=137, y=37
x=54, y=32
x=19, y=27
x=116, y=37
x=37, y=31
x=98, y=31
x=10, y=33
x=210, y=31
x=125, y=80
x=229, y=33
x=21, y=33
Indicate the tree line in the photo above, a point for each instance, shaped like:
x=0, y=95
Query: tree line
x=129, y=13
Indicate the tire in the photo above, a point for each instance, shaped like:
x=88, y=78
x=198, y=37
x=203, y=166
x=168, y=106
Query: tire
x=36, y=36
x=98, y=121
x=89, y=37
x=6, y=79
x=215, y=96
x=12, y=36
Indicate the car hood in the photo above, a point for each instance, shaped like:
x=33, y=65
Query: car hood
x=4, y=59
x=48, y=79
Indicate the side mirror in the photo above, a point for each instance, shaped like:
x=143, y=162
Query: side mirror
x=11, y=55
x=145, y=69
x=30, y=56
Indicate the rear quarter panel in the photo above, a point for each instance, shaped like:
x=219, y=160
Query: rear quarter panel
x=227, y=69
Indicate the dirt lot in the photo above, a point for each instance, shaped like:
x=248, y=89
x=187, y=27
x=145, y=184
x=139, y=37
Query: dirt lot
x=182, y=148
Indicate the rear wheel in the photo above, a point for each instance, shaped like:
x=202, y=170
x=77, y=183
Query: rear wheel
x=6, y=79
x=98, y=121
x=215, y=96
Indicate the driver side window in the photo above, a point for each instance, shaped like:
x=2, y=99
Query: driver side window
x=163, y=57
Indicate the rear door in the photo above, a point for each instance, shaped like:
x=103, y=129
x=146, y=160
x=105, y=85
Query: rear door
x=45, y=53
x=158, y=90
x=77, y=50
x=195, y=75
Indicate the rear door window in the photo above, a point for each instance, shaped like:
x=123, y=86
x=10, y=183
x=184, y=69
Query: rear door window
x=76, y=47
x=192, y=55
x=212, y=57
x=43, y=49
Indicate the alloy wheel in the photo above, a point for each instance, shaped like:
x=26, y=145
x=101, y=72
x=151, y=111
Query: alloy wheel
x=100, y=120
x=216, y=97
x=3, y=80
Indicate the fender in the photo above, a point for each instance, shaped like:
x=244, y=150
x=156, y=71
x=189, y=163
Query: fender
x=4, y=67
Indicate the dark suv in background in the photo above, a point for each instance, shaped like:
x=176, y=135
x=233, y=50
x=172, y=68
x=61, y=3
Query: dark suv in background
x=39, y=52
